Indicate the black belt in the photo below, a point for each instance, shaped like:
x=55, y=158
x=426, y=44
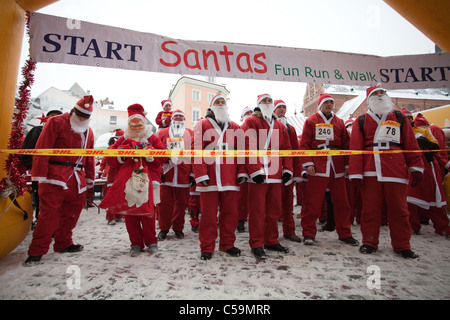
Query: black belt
x=68, y=164
x=328, y=147
x=384, y=144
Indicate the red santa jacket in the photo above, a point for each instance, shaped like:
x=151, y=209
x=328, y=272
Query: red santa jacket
x=59, y=169
x=338, y=140
x=154, y=166
x=262, y=135
x=222, y=172
x=296, y=162
x=177, y=174
x=387, y=167
x=117, y=200
x=163, y=119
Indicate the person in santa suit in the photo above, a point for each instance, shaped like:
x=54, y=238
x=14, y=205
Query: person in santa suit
x=63, y=180
x=267, y=174
x=176, y=181
x=429, y=195
x=353, y=192
x=325, y=131
x=243, y=192
x=110, y=174
x=30, y=143
x=287, y=190
x=132, y=193
x=164, y=117
x=384, y=177
x=218, y=179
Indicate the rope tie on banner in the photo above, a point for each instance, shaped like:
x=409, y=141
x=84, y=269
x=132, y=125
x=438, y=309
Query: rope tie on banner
x=201, y=153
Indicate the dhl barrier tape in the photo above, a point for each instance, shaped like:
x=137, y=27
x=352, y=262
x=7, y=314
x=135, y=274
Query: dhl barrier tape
x=198, y=153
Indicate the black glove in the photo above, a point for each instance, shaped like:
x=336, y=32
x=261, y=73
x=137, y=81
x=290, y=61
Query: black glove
x=258, y=179
x=241, y=180
x=205, y=182
x=163, y=178
x=286, y=177
x=192, y=181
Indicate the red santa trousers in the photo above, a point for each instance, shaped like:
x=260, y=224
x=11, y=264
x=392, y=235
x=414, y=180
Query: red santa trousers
x=141, y=229
x=58, y=216
x=315, y=193
x=437, y=215
x=264, y=204
x=172, y=207
x=374, y=194
x=287, y=205
x=354, y=200
x=228, y=218
x=243, y=202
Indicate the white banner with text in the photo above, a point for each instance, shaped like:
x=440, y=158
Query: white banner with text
x=63, y=40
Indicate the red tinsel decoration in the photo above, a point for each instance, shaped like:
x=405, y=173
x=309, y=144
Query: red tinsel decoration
x=15, y=183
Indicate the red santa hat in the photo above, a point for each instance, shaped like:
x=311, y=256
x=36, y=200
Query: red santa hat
x=348, y=122
x=165, y=102
x=118, y=132
x=278, y=103
x=246, y=109
x=373, y=89
x=178, y=112
x=263, y=96
x=406, y=112
x=137, y=111
x=217, y=96
x=323, y=98
x=85, y=105
x=420, y=121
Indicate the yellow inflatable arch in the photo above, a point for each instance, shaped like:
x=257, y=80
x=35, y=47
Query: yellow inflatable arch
x=429, y=17
x=13, y=226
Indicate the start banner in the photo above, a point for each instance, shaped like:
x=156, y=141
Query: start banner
x=63, y=40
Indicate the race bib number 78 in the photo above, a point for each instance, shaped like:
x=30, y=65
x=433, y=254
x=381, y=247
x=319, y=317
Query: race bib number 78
x=389, y=131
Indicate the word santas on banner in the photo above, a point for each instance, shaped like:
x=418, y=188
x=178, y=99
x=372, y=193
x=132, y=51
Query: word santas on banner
x=61, y=40
x=198, y=153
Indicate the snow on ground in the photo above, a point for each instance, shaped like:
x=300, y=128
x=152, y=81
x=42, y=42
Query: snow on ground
x=329, y=270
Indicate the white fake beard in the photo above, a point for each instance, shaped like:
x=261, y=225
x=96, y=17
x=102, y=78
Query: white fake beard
x=221, y=113
x=177, y=128
x=136, y=189
x=380, y=105
x=77, y=125
x=137, y=135
x=266, y=110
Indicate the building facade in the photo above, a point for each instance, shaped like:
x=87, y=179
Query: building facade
x=193, y=97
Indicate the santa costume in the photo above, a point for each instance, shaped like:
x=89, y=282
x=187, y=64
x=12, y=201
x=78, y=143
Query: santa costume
x=164, y=117
x=217, y=179
x=63, y=180
x=384, y=177
x=267, y=174
x=429, y=194
x=177, y=178
x=287, y=190
x=323, y=131
x=132, y=193
x=110, y=175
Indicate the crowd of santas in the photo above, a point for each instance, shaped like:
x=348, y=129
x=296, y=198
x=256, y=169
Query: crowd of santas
x=221, y=196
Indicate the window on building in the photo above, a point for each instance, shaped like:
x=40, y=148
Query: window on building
x=112, y=119
x=196, y=114
x=210, y=96
x=196, y=96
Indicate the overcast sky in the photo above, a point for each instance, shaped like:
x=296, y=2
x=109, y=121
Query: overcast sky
x=356, y=26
